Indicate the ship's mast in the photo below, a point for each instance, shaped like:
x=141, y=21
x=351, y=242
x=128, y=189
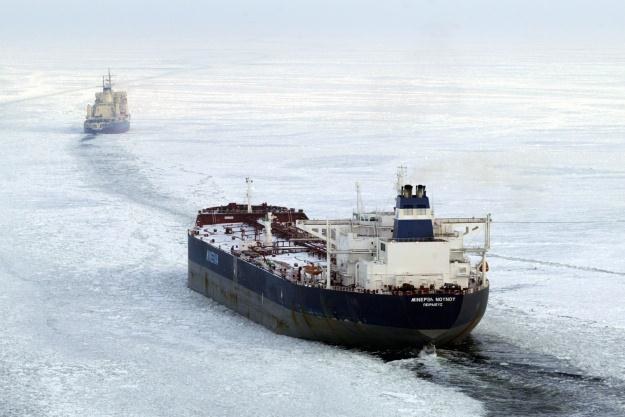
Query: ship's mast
x=359, y=205
x=486, y=245
x=267, y=223
x=328, y=256
x=248, y=194
x=401, y=178
x=107, y=83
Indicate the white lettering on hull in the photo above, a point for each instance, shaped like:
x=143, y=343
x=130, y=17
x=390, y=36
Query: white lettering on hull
x=433, y=301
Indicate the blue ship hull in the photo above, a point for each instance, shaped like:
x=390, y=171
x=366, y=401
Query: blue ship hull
x=327, y=315
x=117, y=126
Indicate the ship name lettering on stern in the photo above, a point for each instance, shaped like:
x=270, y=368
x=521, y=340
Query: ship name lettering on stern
x=432, y=301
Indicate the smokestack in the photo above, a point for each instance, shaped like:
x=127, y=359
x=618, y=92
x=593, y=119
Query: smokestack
x=420, y=190
x=407, y=191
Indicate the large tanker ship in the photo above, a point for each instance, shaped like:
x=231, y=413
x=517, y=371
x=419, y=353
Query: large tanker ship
x=109, y=113
x=377, y=279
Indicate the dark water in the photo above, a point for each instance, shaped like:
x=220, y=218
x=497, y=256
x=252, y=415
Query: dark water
x=510, y=381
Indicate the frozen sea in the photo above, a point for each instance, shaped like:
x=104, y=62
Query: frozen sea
x=95, y=316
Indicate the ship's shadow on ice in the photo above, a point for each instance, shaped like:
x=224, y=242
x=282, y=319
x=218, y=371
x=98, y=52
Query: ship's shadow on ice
x=512, y=381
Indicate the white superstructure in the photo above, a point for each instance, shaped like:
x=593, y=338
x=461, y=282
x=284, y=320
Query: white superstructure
x=408, y=248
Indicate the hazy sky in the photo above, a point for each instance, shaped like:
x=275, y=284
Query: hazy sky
x=598, y=22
